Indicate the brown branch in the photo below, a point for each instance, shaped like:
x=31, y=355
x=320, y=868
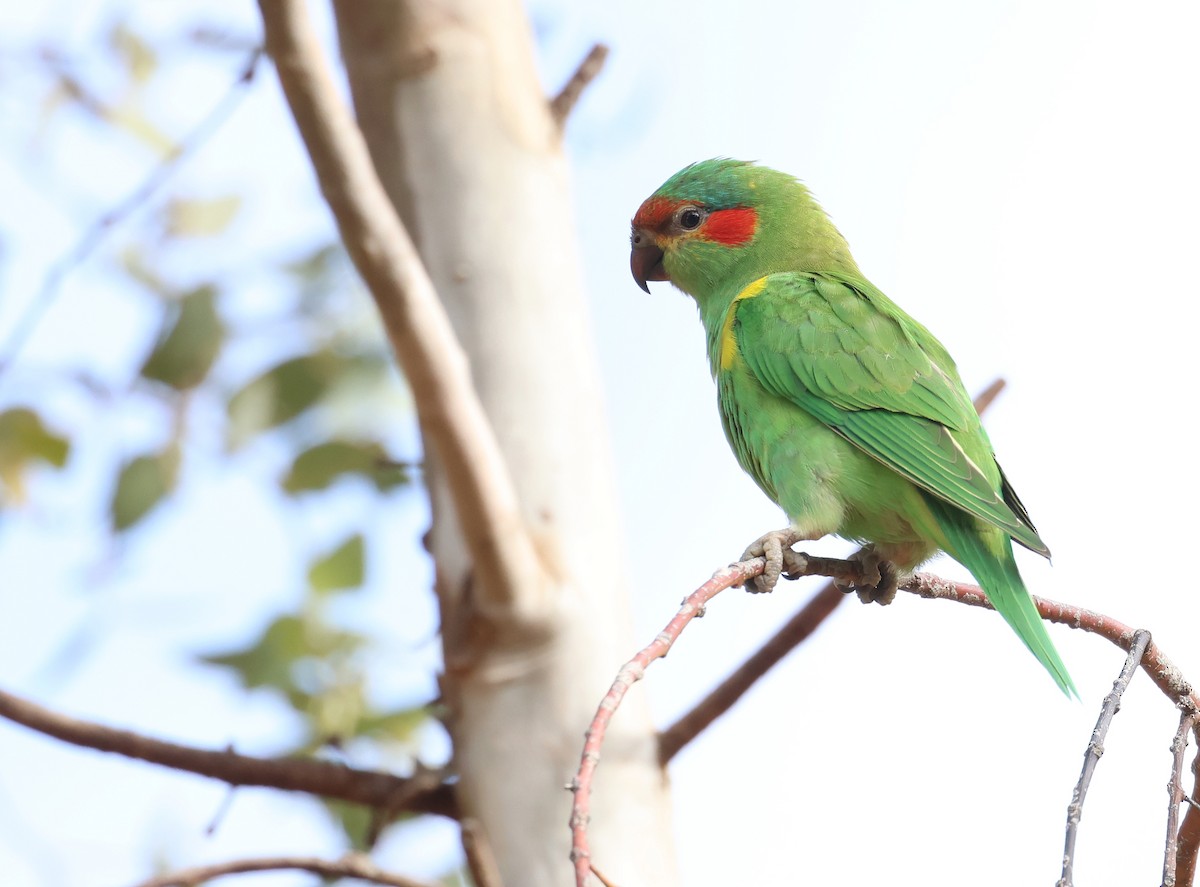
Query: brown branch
x=1160, y=669
x=1165, y=675
x=723, y=697
x=793, y=633
x=451, y=417
x=1095, y=748
x=481, y=859
x=349, y=866
x=370, y=788
x=94, y=236
x=563, y=103
x=1175, y=798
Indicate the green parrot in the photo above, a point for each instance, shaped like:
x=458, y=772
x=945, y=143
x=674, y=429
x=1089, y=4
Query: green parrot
x=848, y=413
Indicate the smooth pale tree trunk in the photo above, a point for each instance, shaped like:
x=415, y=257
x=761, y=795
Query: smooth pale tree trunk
x=447, y=95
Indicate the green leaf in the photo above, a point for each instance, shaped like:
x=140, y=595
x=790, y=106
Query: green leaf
x=188, y=343
x=279, y=395
x=140, y=59
x=341, y=568
x=354, y=821
x=24, y=439
x=141, y=485
x=268, y=661
x=320, y=466
x=294, y=655
x=201, y=217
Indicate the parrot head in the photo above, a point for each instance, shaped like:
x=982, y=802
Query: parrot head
x=722, y=223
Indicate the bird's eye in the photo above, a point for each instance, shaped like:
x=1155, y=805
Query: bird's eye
x=690, y=218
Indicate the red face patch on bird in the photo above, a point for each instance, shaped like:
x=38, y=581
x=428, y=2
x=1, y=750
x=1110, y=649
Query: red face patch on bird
x=732, y=227
x=655, y=213
x=729, y=227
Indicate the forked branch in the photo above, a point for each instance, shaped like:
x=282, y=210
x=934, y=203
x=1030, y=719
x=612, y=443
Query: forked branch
x=1158, y=667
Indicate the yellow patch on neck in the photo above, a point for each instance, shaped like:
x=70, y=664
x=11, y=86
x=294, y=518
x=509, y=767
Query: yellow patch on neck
x=728, y=339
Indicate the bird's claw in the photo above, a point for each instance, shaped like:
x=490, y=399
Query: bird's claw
x=770, y=546
x=879, y=578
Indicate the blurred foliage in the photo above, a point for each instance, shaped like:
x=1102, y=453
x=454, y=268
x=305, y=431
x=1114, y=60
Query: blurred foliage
x=293, y=392
x=25, y=441
x=199, y=217
x=188, y=344
x=141, y=485
x=340, y=569
x=318, y=467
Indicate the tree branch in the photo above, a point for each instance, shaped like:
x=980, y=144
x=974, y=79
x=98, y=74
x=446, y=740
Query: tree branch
x=481, y=860
x=1165, y=675
x=370, y=788
x=1189, y=832
x=563, y=104
x=726, y=694
x=1175, y=798
x=1095, y=748
x=349, y=866
x=434, y=364
x=793, y=633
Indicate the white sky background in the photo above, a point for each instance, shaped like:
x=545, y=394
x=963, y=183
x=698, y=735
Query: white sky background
x=1021, y=177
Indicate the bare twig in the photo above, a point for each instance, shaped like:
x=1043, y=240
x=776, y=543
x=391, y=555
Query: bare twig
x=632, y=672
x=481, y=860
x=1165, y=675
x=1189, y=832
x=424, y=780
x=370, y=788
x=1175, y=797
x=99, y=230
x=350, y=866
x=794, y=632
x=987, y=396
x=448, y=408
x=1095, y=748
x=563, y=103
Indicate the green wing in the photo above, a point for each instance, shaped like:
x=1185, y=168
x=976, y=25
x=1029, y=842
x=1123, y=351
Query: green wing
x=840, y=350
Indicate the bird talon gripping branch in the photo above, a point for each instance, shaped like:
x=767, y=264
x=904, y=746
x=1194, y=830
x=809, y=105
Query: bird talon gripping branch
x=770, y=546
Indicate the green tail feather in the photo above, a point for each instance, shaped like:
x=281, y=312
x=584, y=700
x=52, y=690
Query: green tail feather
x=997, y=574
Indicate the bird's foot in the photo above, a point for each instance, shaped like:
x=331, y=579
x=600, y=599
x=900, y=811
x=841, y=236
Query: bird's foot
x=771, y=546
x=880, y=578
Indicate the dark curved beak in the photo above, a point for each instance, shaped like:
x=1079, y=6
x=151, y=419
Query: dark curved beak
x=645, y=260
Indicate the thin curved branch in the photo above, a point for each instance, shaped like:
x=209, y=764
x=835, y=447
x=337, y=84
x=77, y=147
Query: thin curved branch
x=1160, y=669
x=434, y=364
x=1095, y=748
x=350, y=866
x=632, y=672
x=1165, y=675
x=370, y=788
x=793, y=633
